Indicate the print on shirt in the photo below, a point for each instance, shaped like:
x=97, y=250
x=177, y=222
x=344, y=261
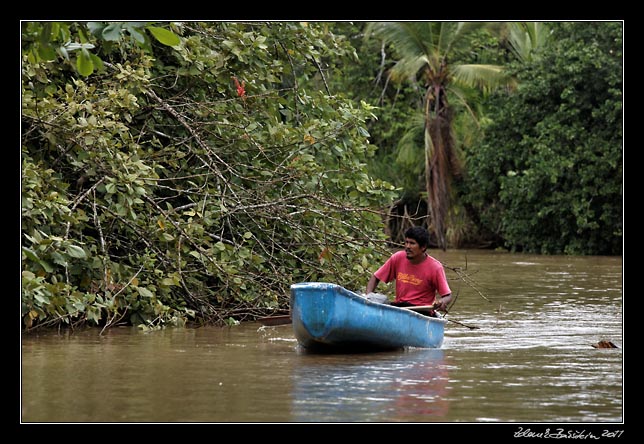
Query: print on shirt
x=408, y=278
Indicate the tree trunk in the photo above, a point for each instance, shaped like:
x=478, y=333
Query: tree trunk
x=441, y=162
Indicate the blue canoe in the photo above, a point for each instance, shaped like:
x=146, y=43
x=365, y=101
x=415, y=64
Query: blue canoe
x=327, y=317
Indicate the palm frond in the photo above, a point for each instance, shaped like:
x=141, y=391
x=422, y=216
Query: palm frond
x=485, y=77
x=407, y=68
x=527, y=37
x=445, y=38
x=466, y=98
x=409, y=152
x=409, y=38
x=457, y=33
x=413, y=41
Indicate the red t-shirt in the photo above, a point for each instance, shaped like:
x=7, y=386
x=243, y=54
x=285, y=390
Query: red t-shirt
x=415, y=283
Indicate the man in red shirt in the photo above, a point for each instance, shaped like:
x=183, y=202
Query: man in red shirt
x=418, y=276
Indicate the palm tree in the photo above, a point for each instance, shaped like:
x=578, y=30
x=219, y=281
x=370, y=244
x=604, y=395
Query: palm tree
x=428, y=55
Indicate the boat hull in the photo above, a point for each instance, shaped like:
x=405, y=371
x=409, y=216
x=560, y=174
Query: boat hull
x=328, y=317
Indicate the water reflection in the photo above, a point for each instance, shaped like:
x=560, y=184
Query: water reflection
x=402, y=386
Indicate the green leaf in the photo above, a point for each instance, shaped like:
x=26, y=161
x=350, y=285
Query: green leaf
x=98, y=63
x=28, y=275
x=93, y=316
x=46, y=266
x=137, y=35
x=76, y=251
x=144, y=292
x=30, y=254
x=84, y=63
x=46, y=52
x=96, y=28
x=59, y=259
x=164, y=36
x=120, y=209
x=44, y=300
x=112, y=32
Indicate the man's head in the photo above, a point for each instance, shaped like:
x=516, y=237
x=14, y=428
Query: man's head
x=416, y=242
x=419, y=234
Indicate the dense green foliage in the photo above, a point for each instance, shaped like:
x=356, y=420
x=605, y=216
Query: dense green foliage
x=399, y=158
x=547, y=177
x=190, y=172
x=192, y=181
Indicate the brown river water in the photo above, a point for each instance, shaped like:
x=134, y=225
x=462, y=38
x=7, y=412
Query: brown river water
x=529, y=363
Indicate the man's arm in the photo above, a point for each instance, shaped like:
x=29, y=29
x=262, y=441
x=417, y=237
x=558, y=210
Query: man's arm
x=373, y=283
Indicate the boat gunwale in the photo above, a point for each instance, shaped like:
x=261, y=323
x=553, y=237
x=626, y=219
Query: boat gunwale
x=362, y=299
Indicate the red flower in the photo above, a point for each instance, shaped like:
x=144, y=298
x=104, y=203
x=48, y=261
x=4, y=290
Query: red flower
x=241, y=92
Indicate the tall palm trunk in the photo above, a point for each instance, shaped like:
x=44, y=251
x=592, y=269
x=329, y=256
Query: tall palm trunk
x=441, y=161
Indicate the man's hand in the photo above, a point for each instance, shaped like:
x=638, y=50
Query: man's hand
x=441, y=303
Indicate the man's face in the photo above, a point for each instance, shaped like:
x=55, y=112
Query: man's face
x=413, y=250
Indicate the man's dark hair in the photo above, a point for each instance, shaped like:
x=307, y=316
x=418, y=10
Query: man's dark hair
x=419, y=234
